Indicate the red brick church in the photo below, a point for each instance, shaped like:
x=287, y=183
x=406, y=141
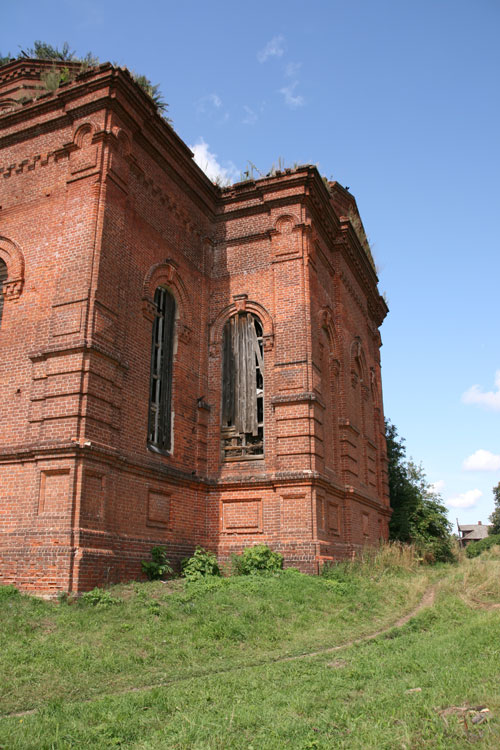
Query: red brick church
x=180, y=364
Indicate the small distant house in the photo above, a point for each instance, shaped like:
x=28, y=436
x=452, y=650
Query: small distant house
x=471, y=532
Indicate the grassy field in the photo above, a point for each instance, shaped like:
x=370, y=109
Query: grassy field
x=201, y=665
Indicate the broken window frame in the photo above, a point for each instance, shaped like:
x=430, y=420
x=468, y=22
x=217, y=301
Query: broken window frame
x=162, y=357
x=242, y=430
x=4, y=275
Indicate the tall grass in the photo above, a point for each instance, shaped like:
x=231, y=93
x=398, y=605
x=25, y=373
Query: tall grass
x=388, y=557
x=477, y=581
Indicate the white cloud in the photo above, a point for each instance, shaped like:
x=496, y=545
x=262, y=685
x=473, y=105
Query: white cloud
x=482, y=460
x=487, y=399
x=208, y=103
x=250, y=117
x=291, y=100
x=207, y=161
x=465, y=499
x=274, y=48
x=438, y=486
x=292, y=68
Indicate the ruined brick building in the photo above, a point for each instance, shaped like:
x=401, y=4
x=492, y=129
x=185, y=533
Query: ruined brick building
x=180, y=364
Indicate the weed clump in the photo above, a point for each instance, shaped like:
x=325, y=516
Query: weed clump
x=257, y=560
x=8, y=592
x=158, y=566
x=200, y=565
x=99, y=598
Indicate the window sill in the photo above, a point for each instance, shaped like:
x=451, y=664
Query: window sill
x=159, y=451
x=232, y=459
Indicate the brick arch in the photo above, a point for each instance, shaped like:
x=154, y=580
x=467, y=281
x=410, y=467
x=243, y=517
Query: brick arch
x=286, y=223
x=242, y=304
x=13, y=258
x=82, y=133
x=374, y=387
x=7, y=104
x=358, y=360
x=123, y=140
x=326, y=323
x=166, y=274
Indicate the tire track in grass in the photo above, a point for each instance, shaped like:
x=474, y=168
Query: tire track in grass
x=427, y=600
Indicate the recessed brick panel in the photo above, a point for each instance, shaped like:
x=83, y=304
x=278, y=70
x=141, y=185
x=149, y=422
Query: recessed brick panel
x=333, y=514
x=67, y=319
x=295, y=513
x=93, y=496
x=54, y=491
x=240, y=516
x=158, y=508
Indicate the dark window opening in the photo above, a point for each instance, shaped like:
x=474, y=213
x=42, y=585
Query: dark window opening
x=3, y=279
x=162, y=354
x=243, y=388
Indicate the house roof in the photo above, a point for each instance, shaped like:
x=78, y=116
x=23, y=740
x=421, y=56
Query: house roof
x=474, y=531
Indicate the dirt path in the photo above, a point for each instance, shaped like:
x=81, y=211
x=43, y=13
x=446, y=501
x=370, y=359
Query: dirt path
x=426, y=601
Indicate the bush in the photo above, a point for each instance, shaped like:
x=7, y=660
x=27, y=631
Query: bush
x=475, y=548
x=99, y=598
x=202, y=563
x=158, y=566
x=436, y=550
x=8, y=592
x=256, y=560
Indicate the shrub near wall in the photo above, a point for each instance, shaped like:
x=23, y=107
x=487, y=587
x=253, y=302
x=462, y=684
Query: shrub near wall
x=201, y=564
x=257, y=559
x=475, y=548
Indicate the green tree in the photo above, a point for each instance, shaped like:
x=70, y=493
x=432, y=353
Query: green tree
x=419, y=515
x=495, y=516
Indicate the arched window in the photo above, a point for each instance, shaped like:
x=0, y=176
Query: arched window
x=3, y=279
x=243, y=387
x=162, y=354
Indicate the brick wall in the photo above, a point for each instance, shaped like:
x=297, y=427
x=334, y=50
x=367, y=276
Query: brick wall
x=101, y=203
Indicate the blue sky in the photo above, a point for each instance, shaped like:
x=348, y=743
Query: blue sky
x=397, y=99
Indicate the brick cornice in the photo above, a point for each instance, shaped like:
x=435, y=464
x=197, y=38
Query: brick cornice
x=114, y=90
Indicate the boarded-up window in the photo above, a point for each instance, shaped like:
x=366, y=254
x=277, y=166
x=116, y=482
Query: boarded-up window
x=3, y=278
x=162, y=352
x=243, y=388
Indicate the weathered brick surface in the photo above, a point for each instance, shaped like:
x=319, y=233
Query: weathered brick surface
x=100, y=204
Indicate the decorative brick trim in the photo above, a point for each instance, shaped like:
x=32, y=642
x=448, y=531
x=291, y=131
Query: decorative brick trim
x=13, y=258
x=166, y=274
x=327, y=322
x=241, y=303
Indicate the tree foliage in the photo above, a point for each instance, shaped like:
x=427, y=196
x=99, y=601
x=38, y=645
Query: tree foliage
x=495, y=516
x=419, y=515
x=474, y=549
